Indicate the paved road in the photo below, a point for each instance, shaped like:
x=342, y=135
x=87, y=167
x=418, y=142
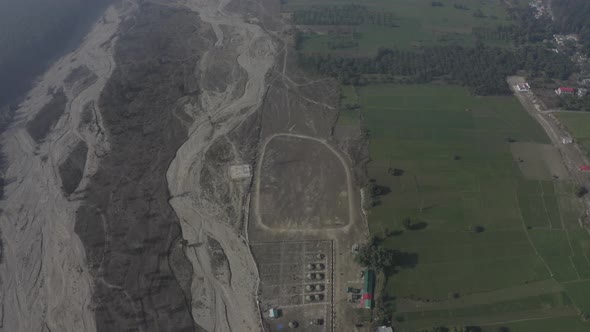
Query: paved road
x=572, y=155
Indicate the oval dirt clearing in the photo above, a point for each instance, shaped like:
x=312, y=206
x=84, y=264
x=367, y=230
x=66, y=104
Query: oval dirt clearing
x=302, y=184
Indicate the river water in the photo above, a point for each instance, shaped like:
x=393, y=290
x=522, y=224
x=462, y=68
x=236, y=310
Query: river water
x=34, y=33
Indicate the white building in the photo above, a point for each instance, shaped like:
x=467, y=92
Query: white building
x=567, y=140
x=522, y=87
x=383, y=329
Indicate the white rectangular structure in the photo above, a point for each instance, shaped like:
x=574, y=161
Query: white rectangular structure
x=522, y=87
x=237, y=172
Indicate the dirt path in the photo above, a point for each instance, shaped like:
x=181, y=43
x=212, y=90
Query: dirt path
x=43, y=281
x=345, y=270
x=220, y=305
x=572, y=155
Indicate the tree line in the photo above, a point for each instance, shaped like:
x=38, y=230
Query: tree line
x=343, y=15
x=482, y=68
x=527, y=28
x=575, y=103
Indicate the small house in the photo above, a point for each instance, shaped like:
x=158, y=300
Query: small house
x=565, y=91
x=582, y=92
x=522, y=87
x=369, y=285
x=567, y=140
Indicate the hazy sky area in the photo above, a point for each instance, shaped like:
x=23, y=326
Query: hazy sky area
x=35, y=32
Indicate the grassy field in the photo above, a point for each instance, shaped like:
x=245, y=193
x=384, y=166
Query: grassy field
x=567, y=323
x=418, y=24
x=349, y=103
x=578, y=124
x=459, y=174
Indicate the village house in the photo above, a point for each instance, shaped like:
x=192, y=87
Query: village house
x=522, y=87
x=565, y=91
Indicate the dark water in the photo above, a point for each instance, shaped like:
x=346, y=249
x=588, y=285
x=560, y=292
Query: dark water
x=35, y=33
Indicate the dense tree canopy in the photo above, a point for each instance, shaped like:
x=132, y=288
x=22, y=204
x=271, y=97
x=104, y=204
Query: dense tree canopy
x=575, y=103
x=375, y=256
x=483, y=69
x=573, y=16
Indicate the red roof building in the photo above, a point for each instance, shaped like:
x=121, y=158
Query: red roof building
x=565, y=91
x=584, y=168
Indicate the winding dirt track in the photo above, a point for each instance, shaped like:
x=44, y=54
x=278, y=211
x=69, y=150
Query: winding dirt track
x=221, y=304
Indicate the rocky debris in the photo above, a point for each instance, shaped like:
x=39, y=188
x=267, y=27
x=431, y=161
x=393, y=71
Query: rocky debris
x=199, y=175
x=72, y=169
x=126, y=224
x=79, y=79
x=44, y=282
x=47, y=117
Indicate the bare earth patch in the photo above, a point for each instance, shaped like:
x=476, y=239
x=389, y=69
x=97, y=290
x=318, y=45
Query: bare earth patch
x=303, y=185
x=538, y=161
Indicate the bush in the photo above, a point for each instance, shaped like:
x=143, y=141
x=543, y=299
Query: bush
x=581, y=191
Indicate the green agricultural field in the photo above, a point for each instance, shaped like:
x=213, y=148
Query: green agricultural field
x=566, y=323
x=484, y=244
x=578, y=124
x=416, y=23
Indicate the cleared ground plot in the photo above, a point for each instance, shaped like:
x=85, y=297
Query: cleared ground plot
x=303, y=185
x=496, y=240
x=296, y=279
x=539, y=161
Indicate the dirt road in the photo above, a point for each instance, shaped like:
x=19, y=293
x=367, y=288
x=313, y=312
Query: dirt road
x=572, y=155
x=352, y=206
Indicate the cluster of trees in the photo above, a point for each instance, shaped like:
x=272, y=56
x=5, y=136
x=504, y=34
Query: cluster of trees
x=571, y=16
x=483, y=69
x=575, y=103
x=377, y=191
x=375, y=256
x=343, y=15
x=527, y=28
x=581, y=191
